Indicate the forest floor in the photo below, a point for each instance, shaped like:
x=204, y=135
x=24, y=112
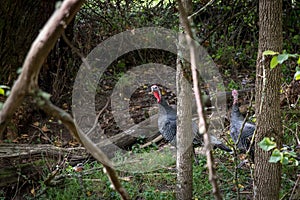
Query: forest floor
x=46, y=130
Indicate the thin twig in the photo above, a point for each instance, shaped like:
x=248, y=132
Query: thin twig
x=42, y=133
x=97, y=118
x=76, y=51
x=236, y=166
x=245, y=119
x=158, y=138
x=296, y=135
x=201, y=9
x=226, y=20
x=295, y=187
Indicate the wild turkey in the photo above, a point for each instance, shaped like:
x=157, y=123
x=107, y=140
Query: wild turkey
x=167, y=123
x=236, y=123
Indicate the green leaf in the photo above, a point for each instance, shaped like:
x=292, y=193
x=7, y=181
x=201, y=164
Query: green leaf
x=267, y=144
x=7, y=93
x=4, y=87
x=274, y=62
x=276, y=156
x=297, y=76
x=291, y=154
x=282, y=57
x=19, y=70
x=293, y=55
x=121, y=65
x=298, y=62
x=2, y=92
x=270, y=53
x=45, y=95
x=285, y=160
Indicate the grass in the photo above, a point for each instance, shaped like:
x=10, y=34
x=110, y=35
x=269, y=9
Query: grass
x=145, y=175
x=151, y=174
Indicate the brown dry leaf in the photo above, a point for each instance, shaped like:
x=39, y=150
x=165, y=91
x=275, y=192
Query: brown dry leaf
x=73, y=143
x=24, y=136
x=45, y=128
x=65, y=106
x=127, y=178
x=16, y=140
x=32, y=191
x=44, y=138
x=242, y=156
x=89, y=193
x=36, y=123
x=11, y=135
x=58, y=143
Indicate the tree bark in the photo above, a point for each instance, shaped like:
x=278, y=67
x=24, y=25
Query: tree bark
x=184, y=135
x=267, y=176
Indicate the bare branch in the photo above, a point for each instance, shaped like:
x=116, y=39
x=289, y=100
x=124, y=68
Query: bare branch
x=202, y=120
x=202, y=9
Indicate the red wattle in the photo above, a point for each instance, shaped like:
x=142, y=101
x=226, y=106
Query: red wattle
x=157, y=96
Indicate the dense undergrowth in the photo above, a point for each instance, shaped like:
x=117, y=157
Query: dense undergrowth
x=229, y=31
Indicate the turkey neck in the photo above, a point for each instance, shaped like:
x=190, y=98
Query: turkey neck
x=235, y=112
x=164, y=107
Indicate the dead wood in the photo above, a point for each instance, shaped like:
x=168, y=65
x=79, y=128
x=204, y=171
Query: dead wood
x=18, y=161
x=147, y=130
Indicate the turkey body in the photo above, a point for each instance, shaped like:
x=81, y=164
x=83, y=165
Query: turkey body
x=167, y=124
x=236, y=123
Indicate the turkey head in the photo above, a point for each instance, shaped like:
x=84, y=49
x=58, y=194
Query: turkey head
x=156, y=92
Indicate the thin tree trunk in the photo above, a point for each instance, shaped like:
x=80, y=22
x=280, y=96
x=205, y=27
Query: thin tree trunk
x=267, y=176
x=202, y=121
x=184, y=135
x=184, y=138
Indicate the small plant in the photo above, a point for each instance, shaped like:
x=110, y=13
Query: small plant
x=4, y=91
x=281, y=58
x=233, y=85
x=284, y=155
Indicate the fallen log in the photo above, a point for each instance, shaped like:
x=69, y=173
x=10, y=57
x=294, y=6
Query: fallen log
x=147, y=130
x=20, y=161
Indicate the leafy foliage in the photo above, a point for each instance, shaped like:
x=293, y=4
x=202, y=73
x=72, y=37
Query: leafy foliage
x=4, y=91
x=284, y=156
x=267, y=144
x=281, y=58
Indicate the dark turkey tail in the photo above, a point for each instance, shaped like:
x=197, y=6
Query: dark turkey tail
x=223, y=147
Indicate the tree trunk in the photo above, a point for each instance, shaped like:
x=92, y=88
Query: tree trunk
x=267, y=176
x=184, y=135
